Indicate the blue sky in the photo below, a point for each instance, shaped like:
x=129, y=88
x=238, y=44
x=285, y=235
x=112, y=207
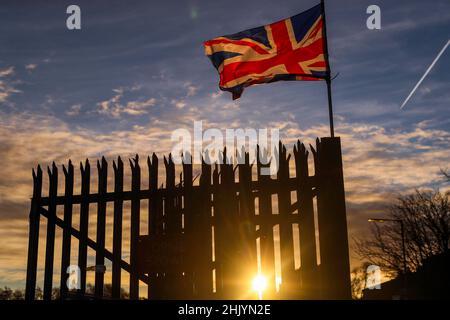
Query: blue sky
x=137, y=70
x=158, y=47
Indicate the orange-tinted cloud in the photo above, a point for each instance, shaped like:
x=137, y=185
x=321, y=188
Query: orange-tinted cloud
x=378, y=163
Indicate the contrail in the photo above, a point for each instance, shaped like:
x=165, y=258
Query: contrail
x=425, y=74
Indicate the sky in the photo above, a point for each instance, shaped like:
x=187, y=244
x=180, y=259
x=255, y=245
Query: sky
x=136, y=71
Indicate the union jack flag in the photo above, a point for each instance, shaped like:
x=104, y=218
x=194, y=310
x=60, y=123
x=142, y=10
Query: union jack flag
x=290, y=49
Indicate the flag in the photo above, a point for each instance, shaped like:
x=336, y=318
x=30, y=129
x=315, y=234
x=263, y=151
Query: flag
x=290, y=49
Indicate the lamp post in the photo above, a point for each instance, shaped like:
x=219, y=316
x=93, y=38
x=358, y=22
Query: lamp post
x=402, y=231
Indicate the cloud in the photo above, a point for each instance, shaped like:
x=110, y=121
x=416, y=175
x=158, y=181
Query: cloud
x=402, y=19
x=182, y=102
x=6, y=90
x=410, y=23
x=31, y=66
x=191, y=89
x=6, y=72
x=138, y=107
x=378, y=162
x=179, y=104
x=217, y=95
x=74, y=110
x=6, y=85
x=27, y=139
x=374, y=158
x=115, y=107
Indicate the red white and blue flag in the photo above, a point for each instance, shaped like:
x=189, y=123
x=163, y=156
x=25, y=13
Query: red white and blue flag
x=290, y=49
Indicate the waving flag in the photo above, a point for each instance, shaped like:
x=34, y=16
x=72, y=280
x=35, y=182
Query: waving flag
x=290, y=49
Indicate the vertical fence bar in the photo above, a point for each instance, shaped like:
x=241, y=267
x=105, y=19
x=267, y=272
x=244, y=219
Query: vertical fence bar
x=217, y=243
x=220, y=240
x=190, y=228
x=232, y=273
x=33, y=240
x=154, y=218
x=266, y=226
x=155, y=224
x=134, y=228
x=66, y=244
x=102, y=168
x=50, y=242
x=289, y=285
x=246, y=216
x=308, y=272
x=173, y=224
x=117, y=229
x=179, y=258
x=84, y=223
x=172, y=228
x=203, y=235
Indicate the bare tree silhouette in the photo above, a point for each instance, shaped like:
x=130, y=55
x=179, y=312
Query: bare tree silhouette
x=446, y=174
x=426, y=218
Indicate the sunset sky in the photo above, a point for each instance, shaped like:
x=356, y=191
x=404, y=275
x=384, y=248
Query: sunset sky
x=136, y=71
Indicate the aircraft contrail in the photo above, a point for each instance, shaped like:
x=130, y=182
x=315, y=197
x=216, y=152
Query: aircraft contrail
x=425, y=74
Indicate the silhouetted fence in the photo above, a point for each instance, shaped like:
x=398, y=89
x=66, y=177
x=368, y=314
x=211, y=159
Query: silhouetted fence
x=205, y=240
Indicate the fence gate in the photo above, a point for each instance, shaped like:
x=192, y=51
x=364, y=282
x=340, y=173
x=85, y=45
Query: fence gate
x=205, y=239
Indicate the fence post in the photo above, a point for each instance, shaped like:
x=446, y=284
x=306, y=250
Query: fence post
x=134, y=228
x=334, y=255
x=84, y=222
x=50, y=242
x=33, y=240
x=117, y=228
x=67, y=237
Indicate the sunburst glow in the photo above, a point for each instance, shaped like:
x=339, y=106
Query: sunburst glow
x=259, y=284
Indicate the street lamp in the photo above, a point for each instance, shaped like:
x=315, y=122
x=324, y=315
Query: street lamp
x=402, y=230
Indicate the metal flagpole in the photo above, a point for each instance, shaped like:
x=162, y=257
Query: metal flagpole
x=328, y=77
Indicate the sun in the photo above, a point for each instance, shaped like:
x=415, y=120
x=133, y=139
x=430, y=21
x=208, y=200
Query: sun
x=259, y=284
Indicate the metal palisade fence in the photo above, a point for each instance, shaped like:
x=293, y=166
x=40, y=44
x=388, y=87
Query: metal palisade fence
x=205, y=239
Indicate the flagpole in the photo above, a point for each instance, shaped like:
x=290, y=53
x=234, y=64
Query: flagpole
x=328, y=77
